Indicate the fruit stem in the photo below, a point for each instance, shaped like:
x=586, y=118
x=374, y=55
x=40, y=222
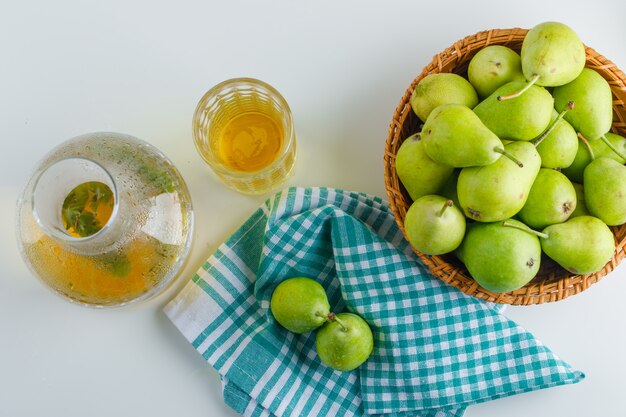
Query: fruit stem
x=522, y=90
x=613, y=148
x=508, y=155
x=552, y=126
x=525, y=229
x=333, y=317
x=587, y=145
x=447, y=204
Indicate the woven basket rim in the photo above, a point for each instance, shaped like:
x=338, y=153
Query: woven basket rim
x=541, y=289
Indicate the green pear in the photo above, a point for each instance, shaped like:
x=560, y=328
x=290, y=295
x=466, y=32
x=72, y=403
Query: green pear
x=453, y=135
x=419, y=174
x=558, y=149
x=300, y=304
x=599, y=149
x=552, y=55
x=443, y=88
x=552, y=199
x=581, y=206
x=593, y=113
x=582, y=245
x=345, y=342
x=605, y=190
x=433, y=225
x=524, y=118
x=492, y=67
x=498, y=191
x=501, y=258
x=553, y=52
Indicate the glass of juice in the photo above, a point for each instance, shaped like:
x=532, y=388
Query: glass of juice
x=243, y=128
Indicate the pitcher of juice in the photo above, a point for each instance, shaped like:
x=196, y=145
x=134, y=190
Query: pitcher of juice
x=105, y=220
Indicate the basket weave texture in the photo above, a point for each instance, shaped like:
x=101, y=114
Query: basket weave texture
x=552, y=283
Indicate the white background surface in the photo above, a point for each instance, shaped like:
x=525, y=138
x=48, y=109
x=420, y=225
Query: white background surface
x=71, y=67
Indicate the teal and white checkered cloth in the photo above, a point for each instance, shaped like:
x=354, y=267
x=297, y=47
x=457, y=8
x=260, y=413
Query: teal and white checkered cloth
x=436, y=350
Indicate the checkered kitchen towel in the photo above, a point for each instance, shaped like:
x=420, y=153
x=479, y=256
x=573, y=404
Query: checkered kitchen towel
x=436, y=350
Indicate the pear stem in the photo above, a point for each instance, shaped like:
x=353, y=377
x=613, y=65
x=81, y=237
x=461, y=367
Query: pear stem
x=587, y=145
x=552, y=126
x=508, y=155
x=333, y=317
x=525, y=229
x=447, y=204
x=522, y=90
x=610, y=145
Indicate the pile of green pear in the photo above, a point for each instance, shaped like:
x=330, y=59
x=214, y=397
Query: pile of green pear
x=344, y=340
x=516, y=161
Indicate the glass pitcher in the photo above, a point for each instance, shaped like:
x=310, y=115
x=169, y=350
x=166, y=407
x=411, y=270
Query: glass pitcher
x=105, y=220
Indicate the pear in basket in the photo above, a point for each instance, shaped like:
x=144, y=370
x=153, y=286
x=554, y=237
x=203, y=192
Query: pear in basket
x=552, y=55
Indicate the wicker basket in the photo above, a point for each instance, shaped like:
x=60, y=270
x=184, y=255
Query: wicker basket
x=552, y=283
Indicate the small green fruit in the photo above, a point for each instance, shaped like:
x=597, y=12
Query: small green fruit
x=444, y=88
x=300, y=304
x=492, y=67
x=498, y=191
x=453, y=135
x=552, y=52
x=345, y=342
x=419, y=174
x=552, y=199
x=499, y=257
x=581, y=245
x=605, y=190
x=593, y=113
x=433, y=225
x=522, y=118
x=558, y=149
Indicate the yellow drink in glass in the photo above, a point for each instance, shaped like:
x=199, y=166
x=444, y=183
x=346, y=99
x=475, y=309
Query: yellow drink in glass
x=243, y=129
